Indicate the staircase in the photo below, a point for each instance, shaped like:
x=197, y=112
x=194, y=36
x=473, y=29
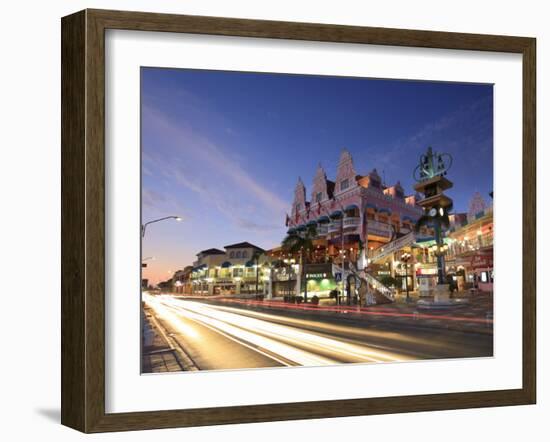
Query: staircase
x=391, y=247
x=371, y=288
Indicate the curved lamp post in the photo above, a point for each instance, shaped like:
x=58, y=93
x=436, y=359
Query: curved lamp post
x=144, y=226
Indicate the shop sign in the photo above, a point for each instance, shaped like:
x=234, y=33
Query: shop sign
x=482, y=261
x=316, y=275
x=426, y=271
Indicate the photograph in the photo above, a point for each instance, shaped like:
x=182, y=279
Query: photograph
x=293, y=220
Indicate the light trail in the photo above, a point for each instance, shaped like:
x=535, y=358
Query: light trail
x=328, y=327
x=289, y=342
x=369, y=311
x=273, y=347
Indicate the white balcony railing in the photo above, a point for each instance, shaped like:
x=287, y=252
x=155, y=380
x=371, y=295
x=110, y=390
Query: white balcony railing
x=322, y=229
x=334, y=226
x=377, y=228
x=352, y=221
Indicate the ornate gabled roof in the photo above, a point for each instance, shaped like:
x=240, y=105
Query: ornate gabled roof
x=345, y=169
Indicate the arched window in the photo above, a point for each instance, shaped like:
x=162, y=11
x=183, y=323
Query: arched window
x=232, y=254
x=244, y=254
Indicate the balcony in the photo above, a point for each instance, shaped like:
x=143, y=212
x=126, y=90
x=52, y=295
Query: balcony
x=379, y=229
x=352, y=222
x=322, y=229
x=334, y=226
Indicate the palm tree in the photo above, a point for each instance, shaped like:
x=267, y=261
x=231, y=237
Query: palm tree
x=256, y=258
x=302, y=243
x=279, y=264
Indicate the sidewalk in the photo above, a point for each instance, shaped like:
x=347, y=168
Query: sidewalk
x=158, y=356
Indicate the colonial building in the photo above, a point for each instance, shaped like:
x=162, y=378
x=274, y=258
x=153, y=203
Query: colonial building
x=181, y=279
x=239, y=269
x=471, y=246
x=361, y=220
x=353, y=210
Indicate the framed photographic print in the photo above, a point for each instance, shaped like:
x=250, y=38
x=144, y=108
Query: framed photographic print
x=269, y=220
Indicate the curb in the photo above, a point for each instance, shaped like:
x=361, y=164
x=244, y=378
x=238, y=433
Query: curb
x=184, y=360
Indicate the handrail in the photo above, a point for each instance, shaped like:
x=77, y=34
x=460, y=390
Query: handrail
x=375, y=283
x=389, y=248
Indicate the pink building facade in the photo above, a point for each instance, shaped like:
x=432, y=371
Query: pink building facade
x=352, y=210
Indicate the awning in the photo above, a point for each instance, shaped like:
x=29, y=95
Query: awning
x=311, y=224
x=226, y=265
x=407, y=218
x=351, y=207
x=291, y=230
x=384, y=210
x=301, y=228
x=372, y=206
x=323, y=220
x=336, y=214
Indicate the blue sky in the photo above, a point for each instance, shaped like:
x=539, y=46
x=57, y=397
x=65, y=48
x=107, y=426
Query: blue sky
x=224, y=149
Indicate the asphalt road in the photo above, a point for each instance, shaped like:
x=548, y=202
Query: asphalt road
x=226, y=337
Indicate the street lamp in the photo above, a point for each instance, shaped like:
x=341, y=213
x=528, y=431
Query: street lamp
x=144, y=226
x=406, y=257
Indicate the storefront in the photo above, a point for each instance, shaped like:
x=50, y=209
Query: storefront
x=284, y=282
x=478, y=270
x=320, y=280
x=426, y=278
x=483, y=269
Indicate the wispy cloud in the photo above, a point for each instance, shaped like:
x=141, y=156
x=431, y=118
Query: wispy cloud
x=161, y=205
x=194, y=162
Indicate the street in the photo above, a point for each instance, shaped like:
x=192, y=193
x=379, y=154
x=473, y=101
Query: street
x=217, y=336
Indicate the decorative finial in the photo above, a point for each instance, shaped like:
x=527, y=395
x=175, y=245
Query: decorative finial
x=432, y=164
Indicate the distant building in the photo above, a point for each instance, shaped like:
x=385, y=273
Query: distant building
x=181, y=279
x=237, y=270
x=471, y=247
x=477, y=207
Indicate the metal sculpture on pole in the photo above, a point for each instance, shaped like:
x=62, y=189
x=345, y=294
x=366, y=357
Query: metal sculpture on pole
x=431, y=182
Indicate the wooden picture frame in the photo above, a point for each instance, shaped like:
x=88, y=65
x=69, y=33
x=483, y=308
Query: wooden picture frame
x=83, y=220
